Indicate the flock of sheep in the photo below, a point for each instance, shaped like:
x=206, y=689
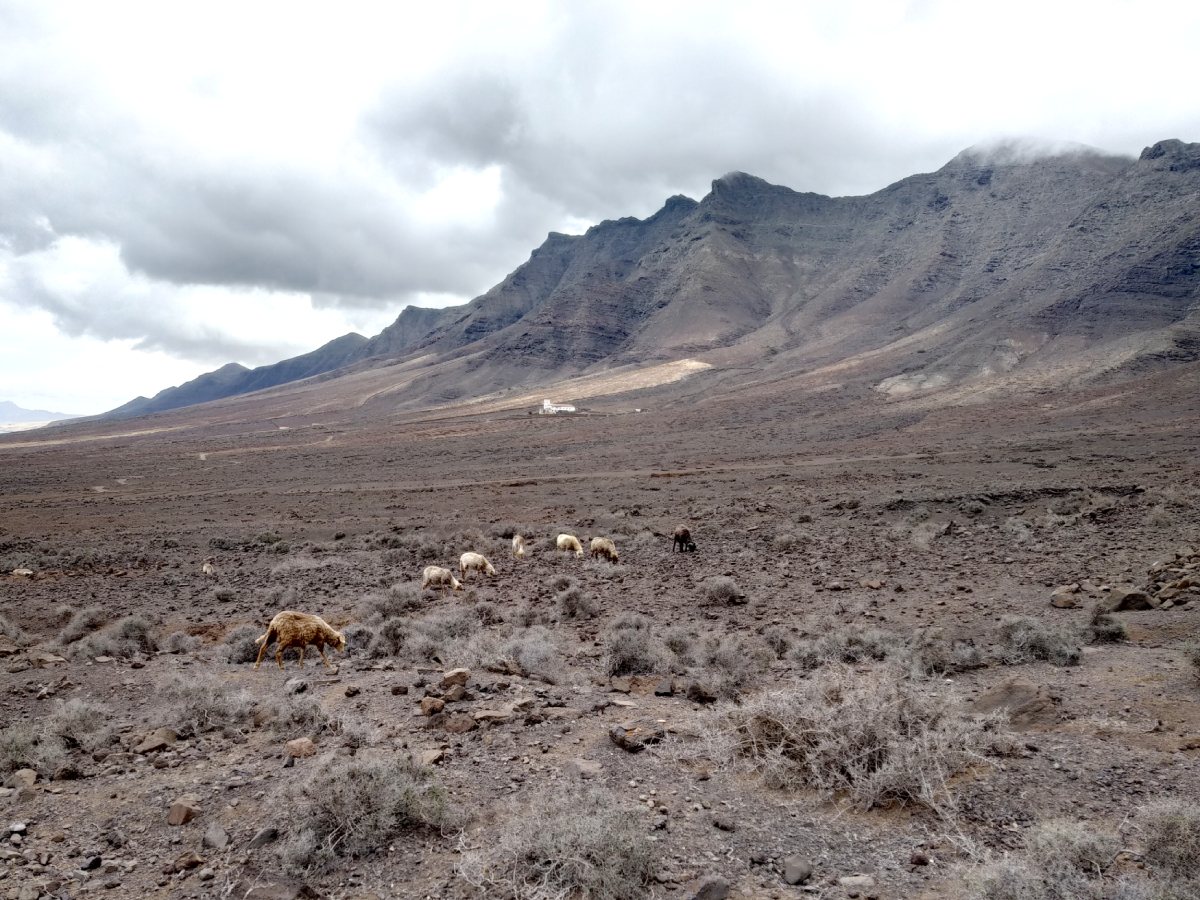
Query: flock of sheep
x=296, y=629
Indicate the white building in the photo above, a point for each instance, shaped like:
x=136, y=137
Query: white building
x=550, y=409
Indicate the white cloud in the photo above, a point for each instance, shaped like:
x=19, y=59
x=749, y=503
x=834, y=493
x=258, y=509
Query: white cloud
x=320, y=166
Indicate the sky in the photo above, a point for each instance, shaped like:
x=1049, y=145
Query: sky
x=185, y=185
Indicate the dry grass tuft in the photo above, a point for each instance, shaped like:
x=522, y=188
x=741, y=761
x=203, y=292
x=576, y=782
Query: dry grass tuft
x=1025, y=639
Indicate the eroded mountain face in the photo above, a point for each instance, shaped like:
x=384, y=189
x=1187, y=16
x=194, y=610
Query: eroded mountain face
x=995, y=270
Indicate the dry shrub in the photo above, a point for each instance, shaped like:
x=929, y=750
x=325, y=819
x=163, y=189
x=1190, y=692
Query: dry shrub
x=388, y=639
x=1170, y=830
x=181, y=642
x=633, y=648
x=487, y=613
x=1025, y=639
x=876, y=736
x=79, y=724
x=24, y=747
x=568, y=842
x=722, y=589
x=195, y=703
x=399, y=599
x=354, y=808
x=1105, y=628
x=932, y=652
x=1191, y=653
x=732, y=663
x=785, y=541
x=574, y=604
x=533, y=650
x=1074, y=861
x=847, y=644
x=358, y=637
x=298, y=716
x=11, y=630
x=241, y=644
x=82, y=623
x=124, y=638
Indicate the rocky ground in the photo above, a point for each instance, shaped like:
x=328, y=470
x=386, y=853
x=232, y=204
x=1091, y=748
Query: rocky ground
x=144, y=756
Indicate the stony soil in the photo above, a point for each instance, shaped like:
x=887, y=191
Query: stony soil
x=951, y=520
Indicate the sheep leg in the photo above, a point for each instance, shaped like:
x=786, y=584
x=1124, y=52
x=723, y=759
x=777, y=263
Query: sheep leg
x=279, y=655
x=262, y=650
x=321, y=650
x=301, y=663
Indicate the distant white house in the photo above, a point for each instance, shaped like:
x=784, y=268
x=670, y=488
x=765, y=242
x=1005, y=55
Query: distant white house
x=550, y=409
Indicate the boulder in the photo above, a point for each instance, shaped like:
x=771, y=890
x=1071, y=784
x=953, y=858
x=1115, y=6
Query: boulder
x=157, y=740
x=796, y=870
x=459, y=723
x=1025, y=702
x=301, y=747
x=22, y=778
x=1121, y=599
x=454, y=677
x=634, y=737
x=431, y=705
x=183, y=810
x=709, y=887
x=215, y=837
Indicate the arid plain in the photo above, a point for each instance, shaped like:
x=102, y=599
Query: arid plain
x=857, y=686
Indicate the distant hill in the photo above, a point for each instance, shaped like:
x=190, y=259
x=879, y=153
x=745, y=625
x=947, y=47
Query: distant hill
x=10, y=413
x=1001, y=269
x=232, y=378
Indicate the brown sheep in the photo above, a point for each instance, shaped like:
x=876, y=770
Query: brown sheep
x=683, y=540
x=604, y=547
x=297, y=629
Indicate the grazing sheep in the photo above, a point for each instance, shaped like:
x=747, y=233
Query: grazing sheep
x=683, y=540
x=297, y=629
x=436, y=576
x=477, y=562
x=518, y=546
x=566, y=542
x=208, y=568
x=604, y=547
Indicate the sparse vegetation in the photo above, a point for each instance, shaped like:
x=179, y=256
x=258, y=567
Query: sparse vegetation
x=574, y=604
x=180, y=642
x=568, y=843
x=732, y=663
x=1170, y=831
x=354, y=808
x=877, y=736
x=24, y=747
x=124, y=638
x=240, y=644
x=298, y=715
x=82, y=623
x=193, y=704
x=722, y=589
x=633, y=648
x=79, y=724
x=11, y=630
x=846, y=644
x=1105, y=628
x=1024, y=639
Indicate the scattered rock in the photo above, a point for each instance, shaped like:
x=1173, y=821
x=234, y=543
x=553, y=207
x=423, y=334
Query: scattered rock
x=622, y=684
x=724, y=823
x=91, y=863
x=295, y=685
x=432, y=757
x=456, y=693
x=1026, y=703
x=185, y=862
x=455, y=677
x=709, y=887
x=157, y=740
x=22, y=778
x=1065, y=596
x=796, y=870
x=215, y=838
x=301, y=747
x=919, y=858
x=1120, y=599
x=431, y=705
x=857, y=882
x=277, y=890
x=183, y=810
x=459, y=723
x=353, y=690
x=491, y=716
x=635, y=737
x=665, y=687
x=583, y=768
x=399, y=689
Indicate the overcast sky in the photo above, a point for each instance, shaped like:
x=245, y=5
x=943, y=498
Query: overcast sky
x=182, y=185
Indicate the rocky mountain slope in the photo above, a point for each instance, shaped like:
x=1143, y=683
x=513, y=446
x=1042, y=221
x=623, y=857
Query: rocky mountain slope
x=998, y=271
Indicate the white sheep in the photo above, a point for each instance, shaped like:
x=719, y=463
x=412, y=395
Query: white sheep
x=604, y=547
x=208, y=568
x=297, y=629
x=518, y=546
x=476, y=562
x=568, y=542
x=436, y=576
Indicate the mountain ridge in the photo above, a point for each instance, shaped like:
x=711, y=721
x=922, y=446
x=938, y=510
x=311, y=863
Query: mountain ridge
x=998, y=261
